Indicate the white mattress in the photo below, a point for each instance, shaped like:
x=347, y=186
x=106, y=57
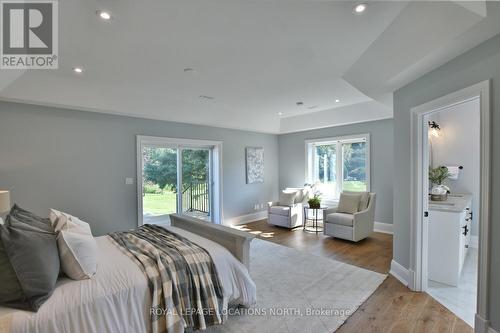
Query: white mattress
x=117, y=298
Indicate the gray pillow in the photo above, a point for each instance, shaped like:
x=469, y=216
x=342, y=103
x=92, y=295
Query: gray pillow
x=23, y=215
x=33, y=254
x=25, y=224
x=11, y=289
x=363, y=202
x=348, y=203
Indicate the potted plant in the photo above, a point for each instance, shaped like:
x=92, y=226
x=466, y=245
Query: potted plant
x=315, y=201
x=437, y=176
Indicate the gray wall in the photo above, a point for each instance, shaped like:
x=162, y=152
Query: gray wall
x=479, y=64
x=77, y=161
x=292, y=159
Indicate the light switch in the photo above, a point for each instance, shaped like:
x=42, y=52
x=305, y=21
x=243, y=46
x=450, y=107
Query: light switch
x=129, y=181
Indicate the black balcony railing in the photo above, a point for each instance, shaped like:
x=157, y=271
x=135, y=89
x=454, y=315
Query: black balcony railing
x=195, y=197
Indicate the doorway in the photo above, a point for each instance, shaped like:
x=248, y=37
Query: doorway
x=428, y=219
x=178, y=176
x=454, y=166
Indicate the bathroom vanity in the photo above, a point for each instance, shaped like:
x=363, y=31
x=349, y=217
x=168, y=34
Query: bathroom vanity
x=449, y=237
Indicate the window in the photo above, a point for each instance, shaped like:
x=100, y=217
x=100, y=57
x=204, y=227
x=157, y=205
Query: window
x=338, y=164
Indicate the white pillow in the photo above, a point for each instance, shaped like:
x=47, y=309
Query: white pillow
x=77, y=225
x=299, y=196
x=64, y=221
x=77, y=246
x=78, y=254
x=307, y=193
x=287, y=198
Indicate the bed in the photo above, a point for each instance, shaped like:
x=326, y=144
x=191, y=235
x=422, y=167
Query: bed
x=118, y=299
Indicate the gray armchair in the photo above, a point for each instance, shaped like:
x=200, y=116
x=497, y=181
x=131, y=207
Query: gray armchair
x=353, y=227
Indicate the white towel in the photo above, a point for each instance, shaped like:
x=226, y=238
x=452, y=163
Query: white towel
x=453, y=170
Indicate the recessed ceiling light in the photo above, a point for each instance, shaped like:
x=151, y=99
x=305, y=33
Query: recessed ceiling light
x=300, y=103
x=78, y=70
x=104, y=15
x=337, y=100
x=280, y=113
x=359, y=8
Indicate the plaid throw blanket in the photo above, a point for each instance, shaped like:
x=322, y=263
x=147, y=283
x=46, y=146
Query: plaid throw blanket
x=186, y=292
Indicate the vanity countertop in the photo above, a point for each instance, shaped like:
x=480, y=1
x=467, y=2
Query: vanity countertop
x=456, y=203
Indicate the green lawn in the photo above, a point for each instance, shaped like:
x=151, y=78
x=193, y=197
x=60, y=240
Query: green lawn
x=354, y=185
x=159, y=204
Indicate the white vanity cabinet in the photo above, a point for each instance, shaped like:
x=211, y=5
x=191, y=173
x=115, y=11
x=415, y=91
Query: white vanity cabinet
x=449, y=239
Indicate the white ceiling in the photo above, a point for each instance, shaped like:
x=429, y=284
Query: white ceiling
x=256, y=58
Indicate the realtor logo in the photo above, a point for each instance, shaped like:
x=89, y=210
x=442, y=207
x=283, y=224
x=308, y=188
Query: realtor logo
x=29, y=36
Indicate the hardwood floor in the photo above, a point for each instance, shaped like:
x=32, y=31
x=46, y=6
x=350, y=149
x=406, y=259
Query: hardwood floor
x=393, y=307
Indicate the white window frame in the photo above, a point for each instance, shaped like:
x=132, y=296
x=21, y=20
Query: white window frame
x=339, y=140
x=216, y=169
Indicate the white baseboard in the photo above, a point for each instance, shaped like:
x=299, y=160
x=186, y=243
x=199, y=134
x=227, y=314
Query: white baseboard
x=257, y=216
x=474, y=242
x=385, y=228
x=400, y=273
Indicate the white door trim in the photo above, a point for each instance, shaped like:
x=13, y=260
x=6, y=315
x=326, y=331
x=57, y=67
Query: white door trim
x=216, y=174
x=418, y=236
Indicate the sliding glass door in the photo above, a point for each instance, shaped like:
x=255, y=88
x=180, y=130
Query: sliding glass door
x=176, y=178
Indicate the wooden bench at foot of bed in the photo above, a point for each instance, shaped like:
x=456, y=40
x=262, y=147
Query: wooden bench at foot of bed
x=236, y=241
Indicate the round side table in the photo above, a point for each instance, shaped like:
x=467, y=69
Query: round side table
x=312, y=219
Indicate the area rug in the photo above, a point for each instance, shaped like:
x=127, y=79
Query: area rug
x=300, y=292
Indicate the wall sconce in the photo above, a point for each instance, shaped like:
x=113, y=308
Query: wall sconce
x=434, y=129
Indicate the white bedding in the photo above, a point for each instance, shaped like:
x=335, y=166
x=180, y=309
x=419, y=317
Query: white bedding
x=117, y=298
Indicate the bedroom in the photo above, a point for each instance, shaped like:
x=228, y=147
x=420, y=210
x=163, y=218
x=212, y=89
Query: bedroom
x=244, y=75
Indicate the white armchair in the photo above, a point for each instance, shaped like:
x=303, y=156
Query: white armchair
x=353, y=227
x=288, y=212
